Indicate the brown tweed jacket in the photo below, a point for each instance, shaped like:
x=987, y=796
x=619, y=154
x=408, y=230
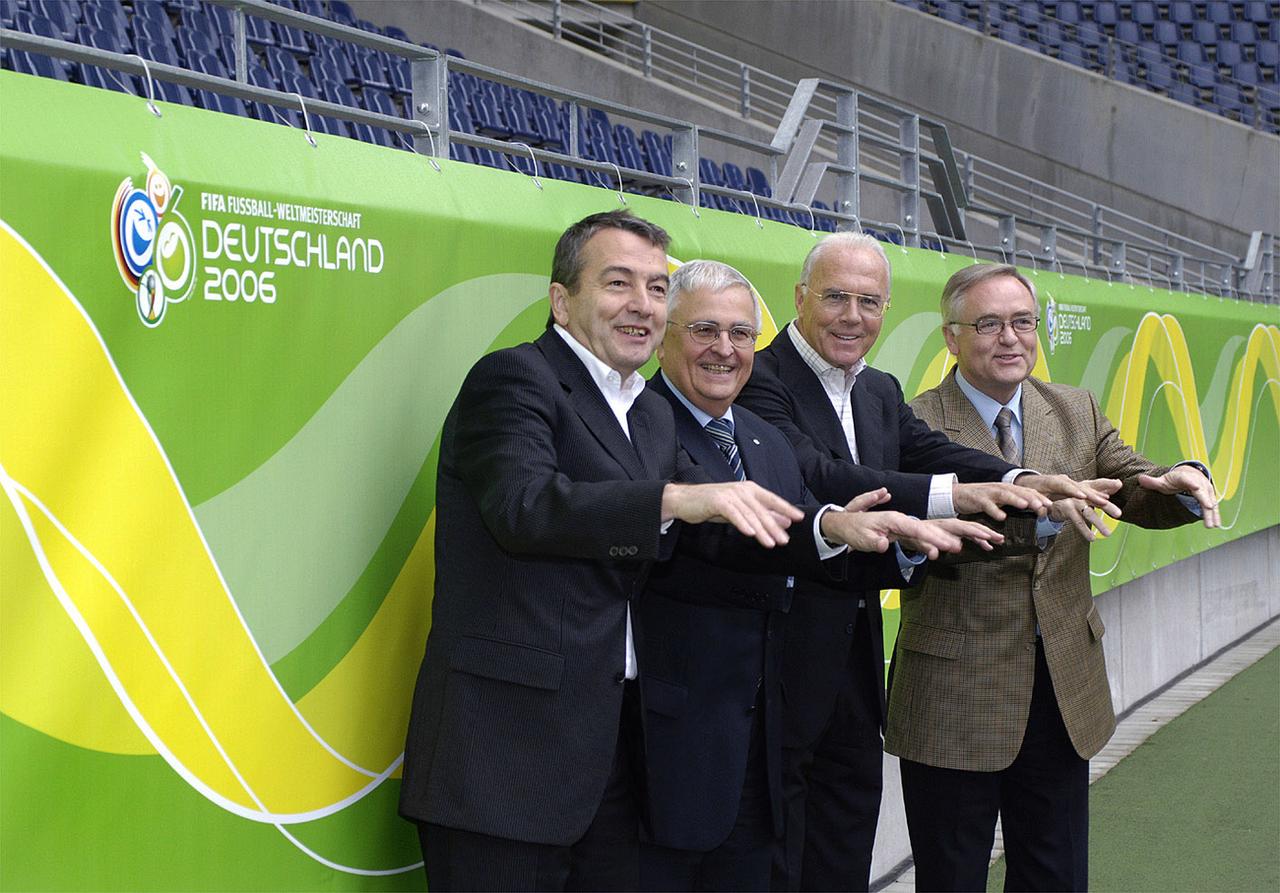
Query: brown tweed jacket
x=965, y=657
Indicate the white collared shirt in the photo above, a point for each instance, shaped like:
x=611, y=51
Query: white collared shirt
x=620, y=395
x=838, y=385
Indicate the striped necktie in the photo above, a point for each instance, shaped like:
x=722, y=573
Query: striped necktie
x=721, y=431
x=1004, y=436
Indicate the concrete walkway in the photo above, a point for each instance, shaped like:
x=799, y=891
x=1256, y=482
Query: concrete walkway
x=1150, y=717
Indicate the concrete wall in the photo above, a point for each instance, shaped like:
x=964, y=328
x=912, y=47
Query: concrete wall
x=1178, y=167
x=1158, y=627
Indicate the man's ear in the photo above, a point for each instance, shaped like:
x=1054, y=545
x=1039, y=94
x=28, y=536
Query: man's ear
x=953, y=343
x=799, y=296
x=559, y=297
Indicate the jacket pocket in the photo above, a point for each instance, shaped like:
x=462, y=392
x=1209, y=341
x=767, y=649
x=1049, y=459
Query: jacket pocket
x=944, y=643
x=664, y=697
x=507, y=662
x=1094, y=620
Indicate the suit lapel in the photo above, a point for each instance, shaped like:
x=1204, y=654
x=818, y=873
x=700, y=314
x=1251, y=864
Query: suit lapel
x=755, y=459
x=1041, y=449
x=867, y=412
x=589, y=403
x=811, y=398
x=961, y=421
x=696, y=442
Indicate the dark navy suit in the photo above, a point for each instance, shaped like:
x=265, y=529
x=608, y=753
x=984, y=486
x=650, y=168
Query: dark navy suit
x=710, y=627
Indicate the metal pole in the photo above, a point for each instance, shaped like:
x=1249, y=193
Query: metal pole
x=648, y=51
x=242, y=56
x=555, y=19
x=909, y=202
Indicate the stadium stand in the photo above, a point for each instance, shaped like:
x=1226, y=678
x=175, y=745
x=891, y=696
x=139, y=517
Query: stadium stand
x=494, y=121
x=1218, y=55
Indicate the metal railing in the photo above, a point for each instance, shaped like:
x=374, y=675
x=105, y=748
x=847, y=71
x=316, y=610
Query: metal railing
x=1063, y=225
x=825, y=133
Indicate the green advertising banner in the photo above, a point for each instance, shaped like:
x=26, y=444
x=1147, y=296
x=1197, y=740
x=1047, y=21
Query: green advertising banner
x=226, y=358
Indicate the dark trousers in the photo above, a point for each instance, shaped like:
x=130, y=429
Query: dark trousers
x=831, y=785
x=743, y=862
x=605, y=858
x=1043, y=798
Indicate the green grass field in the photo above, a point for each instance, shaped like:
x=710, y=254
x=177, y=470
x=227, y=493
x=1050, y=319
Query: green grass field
x=1197, y=806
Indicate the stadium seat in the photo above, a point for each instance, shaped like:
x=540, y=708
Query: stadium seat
x=1204, y=33
x=218, y=102
x=1049, y=34
x=1218, y=12
x=1256, y=11
x=656, y=153
x=341, y=94
x=1090, y=35
x=280, y=61
x=38, y=63
x=1144, y=13
x=1267, y=54
x=1106, y=14
x=370, y=70
x=293, y=83
x=1160, y=76
x=1228, y=54
x=1190, y=52
x=192, y=42
x=1068, y=12
x=380, y=102
x=1128, y=32
x=64, y=16
x=1166, y=33
x=157, y=51
x=1244, y=33
x=292, y=39
x=1247, y=73
x=1181, y=12
x=1073, y=54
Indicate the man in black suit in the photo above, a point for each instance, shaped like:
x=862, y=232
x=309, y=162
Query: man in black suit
x=852, y=432
x=710, y=623
x=554, y=492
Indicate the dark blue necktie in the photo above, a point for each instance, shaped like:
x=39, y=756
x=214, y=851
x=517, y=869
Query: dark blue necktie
x=721, y=431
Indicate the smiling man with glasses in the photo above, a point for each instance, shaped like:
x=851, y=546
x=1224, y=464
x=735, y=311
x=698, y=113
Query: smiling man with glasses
x=1000, y=693
x=852, y=432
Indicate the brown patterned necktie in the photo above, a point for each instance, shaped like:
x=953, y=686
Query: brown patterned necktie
x=1004, y=436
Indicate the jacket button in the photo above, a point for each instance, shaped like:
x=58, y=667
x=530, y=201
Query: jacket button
x=620, y=677
x=848, y=629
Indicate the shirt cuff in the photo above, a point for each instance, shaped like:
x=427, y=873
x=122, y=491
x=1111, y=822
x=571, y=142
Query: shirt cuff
x=907, y=563
x=1012, y=476
x=940, y=503
x=1046, y=530
x=825, y=549
x=666, y=525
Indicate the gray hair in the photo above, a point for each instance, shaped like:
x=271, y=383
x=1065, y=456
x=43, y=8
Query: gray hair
x=848, y=241
x=963, y=280
x=710, y=276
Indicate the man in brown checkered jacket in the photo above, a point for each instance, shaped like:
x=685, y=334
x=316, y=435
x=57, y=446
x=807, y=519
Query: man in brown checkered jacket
x=998, y=692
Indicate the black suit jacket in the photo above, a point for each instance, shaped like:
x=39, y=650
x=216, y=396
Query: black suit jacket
x=895, y=450
x=547, y=521
x=709, y=633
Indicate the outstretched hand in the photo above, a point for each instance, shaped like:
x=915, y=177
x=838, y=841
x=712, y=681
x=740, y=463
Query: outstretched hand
x=1082, y=515
x=1189, y=480
x=753, y=510
x=991, y=499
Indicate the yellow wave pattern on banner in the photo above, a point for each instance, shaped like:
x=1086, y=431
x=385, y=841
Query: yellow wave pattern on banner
x=1159, y=342
x=116, y=540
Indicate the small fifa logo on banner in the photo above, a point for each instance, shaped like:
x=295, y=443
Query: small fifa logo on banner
x=154, y=245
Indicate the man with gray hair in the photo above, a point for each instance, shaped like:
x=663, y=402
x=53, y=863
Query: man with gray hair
x=852, y=432
x=711, y=622
x=999, y=694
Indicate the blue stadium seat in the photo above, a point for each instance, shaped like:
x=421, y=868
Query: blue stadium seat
x=37, y=63
x=280, y=61
x=1229, y=53
x=62, y=14
x=1012, y=32
x=1166, y=33
x=371, y=71
x=170, y=92
x=1202, y=76
x=1183, y=92
x=158, y=51
x=8, y=13
x=1123, y=71
x=335, y=65
x=1218, y=12
x=382, y=103
x=657, y=154
x=1160, y=76
x=1204, y=33
x=1256, y=11
x=102, y=40
x=341, y=13
x=399, y=74
x=152, y=32
x=1267, y=53
x=155, y=13
x=1106, y=14
x=1190, y=52
x=1090, y=35
x=1247, y=73
x=293, y=83
x=212, y=65
x=1227, y=98
x=292, y=39
x=1128, y=32
x=1181, y=12
x=1068, y=12
x=1244, y=33
x=192, y=43
x=106, y=16
x=1144, y=13
x=258, y=31
x=341, y=94
x=1049, y=34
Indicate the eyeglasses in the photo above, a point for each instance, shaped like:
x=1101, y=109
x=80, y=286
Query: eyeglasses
x=869, y=306
x=990, y=325
x=709, y=333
